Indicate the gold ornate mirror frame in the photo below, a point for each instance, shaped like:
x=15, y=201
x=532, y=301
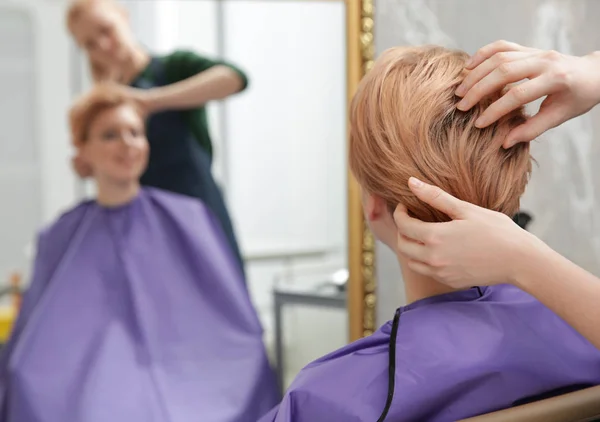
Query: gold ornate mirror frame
x=361, y=244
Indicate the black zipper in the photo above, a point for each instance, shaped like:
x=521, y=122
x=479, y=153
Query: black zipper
x=392, y=362
x=391, y=367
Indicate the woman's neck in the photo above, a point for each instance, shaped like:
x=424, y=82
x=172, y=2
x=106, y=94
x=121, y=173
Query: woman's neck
x=112, y=195
x=417, y=286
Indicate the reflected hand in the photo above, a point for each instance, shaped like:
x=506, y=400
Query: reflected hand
x=571, y=84
x=143, y=98
x=479, y=247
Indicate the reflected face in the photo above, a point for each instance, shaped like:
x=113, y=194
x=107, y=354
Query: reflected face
x=116, y=147
x=103, y=32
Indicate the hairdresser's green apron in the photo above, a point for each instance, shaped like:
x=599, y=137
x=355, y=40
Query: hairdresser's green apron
x=178, y=163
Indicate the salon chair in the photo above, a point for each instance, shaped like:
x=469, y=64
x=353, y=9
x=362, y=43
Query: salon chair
x=578, y=406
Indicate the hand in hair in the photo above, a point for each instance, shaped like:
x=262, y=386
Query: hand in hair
x=143, y=98
x=571, y=84
x=485, y=247
x=479, y=247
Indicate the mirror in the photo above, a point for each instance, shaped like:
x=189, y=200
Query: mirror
x=361, y=243
x=279, y=147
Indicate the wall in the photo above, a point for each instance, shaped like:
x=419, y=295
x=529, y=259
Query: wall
x=286, y=134
x=563, y=195
x=36, y=182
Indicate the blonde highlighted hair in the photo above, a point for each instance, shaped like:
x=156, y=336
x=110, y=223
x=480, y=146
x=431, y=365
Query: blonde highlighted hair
x=84, y=110
x=74, y=11
x=77, y=7
x=404, y=122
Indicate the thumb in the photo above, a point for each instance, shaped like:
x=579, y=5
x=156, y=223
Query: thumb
x=437, y=198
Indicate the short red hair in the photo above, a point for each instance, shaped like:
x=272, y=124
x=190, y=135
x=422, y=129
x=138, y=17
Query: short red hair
x=404, y=122
x=84, y=110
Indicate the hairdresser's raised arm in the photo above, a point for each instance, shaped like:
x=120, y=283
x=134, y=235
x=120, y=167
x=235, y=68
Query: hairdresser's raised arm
x=571, y=84
x=480, y=244
x=216, y=83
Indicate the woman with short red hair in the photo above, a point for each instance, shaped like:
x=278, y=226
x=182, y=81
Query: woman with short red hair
x=449, y=353
x=136, y=310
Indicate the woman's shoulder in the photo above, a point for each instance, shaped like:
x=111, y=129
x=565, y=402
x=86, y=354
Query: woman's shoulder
x=54, y=238
x=173, y=198
x=346, y=364
x=175, y=202
x=376, y=343
x=341, y=382
x=66, y=221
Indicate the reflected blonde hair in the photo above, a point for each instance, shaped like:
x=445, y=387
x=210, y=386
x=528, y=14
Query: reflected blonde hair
x=404, y=122
x=74, y=11
x=87, y=107
x=77, y=7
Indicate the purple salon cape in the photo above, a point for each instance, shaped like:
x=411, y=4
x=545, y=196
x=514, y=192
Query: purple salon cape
x=457, y=355
x=136, y=314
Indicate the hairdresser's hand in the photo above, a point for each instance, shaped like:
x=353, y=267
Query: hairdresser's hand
x=571, y=84
x=479, y=247
x=145, y=99
x=81, y=167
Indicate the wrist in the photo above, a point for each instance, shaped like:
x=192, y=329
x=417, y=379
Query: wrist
x=594, y=58
x=155, y=100
x=532, y=255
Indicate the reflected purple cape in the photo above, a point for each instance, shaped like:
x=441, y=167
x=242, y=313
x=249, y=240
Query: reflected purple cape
x=136, y=314
x=457, y=355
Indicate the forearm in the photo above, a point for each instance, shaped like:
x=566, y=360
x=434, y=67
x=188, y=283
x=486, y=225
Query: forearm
x=213, y=84
x=565, y=288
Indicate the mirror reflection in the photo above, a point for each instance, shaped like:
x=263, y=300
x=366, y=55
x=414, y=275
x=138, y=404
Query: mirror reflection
x=178, y=189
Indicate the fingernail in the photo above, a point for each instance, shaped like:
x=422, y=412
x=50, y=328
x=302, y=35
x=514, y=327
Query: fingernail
x=481, y=122
x=508, y=145
x=469, y=62
x=460, y=91
x=461, y=105
x=414, y=182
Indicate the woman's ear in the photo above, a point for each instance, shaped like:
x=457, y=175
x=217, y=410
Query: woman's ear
x=81, y=165
x=374, y=207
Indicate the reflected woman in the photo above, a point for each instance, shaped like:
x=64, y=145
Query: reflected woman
x=173, y=89
x=136, y=311
x=449, y=354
